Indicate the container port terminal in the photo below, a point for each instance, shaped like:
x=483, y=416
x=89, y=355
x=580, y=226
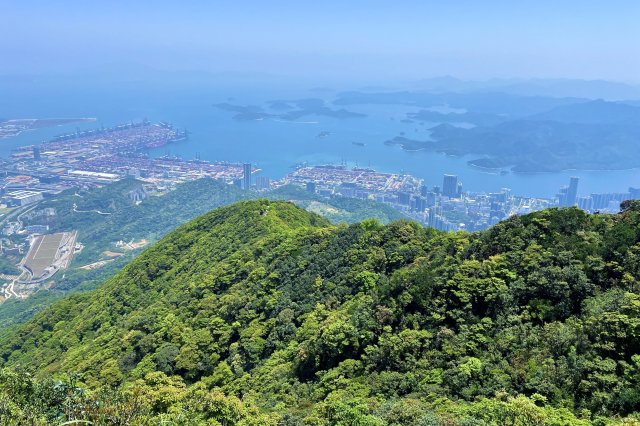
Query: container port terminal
x=104, y=155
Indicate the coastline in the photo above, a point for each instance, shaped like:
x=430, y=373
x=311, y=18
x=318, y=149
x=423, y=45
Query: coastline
x=18, y=126
x=509, y=168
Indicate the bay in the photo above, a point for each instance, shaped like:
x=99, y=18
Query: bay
x=274, y=145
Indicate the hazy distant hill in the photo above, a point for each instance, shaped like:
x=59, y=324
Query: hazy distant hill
x=504, y=104
x=593, y=112
x=535, y=146
x=592, y=89
x=479, y=119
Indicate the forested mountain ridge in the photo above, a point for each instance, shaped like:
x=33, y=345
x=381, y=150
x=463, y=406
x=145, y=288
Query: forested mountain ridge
x=126, y=220
x=262, y=313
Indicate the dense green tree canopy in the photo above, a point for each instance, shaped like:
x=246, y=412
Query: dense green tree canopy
x=262, y=313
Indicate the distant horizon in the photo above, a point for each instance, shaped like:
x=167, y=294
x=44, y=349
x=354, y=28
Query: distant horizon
x=332, y=40
x=136, y=69
x=124, y=78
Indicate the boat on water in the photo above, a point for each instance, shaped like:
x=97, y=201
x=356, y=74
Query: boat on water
x=181, y=136
x=299, y=165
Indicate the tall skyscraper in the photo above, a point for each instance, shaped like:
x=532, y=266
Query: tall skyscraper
x=568, y=195
x=431, y=199
x=420, y=204
x=572, y=192
x=585, y=203
x=263, y=183
x=246, y=176
x=450, y=186
x=404, y=198
x=431, y=218
x=36, y=153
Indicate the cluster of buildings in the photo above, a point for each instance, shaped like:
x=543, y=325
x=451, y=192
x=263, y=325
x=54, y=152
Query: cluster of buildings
x=445, y=207
x=605, y=202
x=99, y=157
x=356, y=183
x=105, y=155
x=246, y=179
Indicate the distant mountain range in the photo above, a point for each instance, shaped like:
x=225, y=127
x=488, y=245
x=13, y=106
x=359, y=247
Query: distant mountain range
x=553, y=87
x=593, y=112
x=497, y=103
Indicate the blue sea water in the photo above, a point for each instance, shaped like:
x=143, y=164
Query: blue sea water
x=274, y=145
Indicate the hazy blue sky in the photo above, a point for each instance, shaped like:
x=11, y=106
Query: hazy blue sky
x=371, y=40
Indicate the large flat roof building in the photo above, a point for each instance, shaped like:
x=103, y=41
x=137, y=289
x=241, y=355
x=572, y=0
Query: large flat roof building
x=22, y=198
x=90, y=176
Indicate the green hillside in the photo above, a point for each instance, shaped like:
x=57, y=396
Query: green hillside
x=262, y=313
x=339, y=209
x=122, y=219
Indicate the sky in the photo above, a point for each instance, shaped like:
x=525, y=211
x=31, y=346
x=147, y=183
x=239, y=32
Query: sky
x=372, y=41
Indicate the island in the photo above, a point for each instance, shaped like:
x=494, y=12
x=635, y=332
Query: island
x=595, y=135
x=287, y=110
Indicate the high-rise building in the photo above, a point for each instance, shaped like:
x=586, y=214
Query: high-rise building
x=263, y=183
x=431, y=199
x=585, y=203
x=246, y=176
x=496, y=212
x=450, y=186
x=568, y=195
x=604, y=201
x=572, y=192
x=404, y=198
x=311, y=187
x=433, y=216
x=420, y=204
x=36, y=153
